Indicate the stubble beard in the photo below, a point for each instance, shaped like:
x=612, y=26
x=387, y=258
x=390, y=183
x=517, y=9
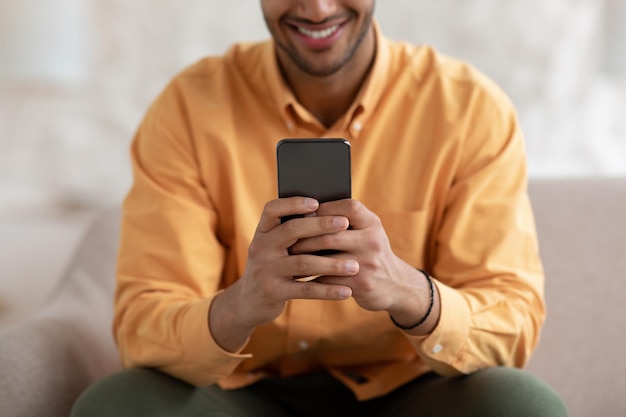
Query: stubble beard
x=306, y=65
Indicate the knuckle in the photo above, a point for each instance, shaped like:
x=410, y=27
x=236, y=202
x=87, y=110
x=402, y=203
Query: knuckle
x=372, y=263
x=358, y=207
x=270, y=208
x=339, y=267
x=291, y=226
x=328, y=240
x=372, y=241
x=307, y=290
x=352, y=206
x=302, y=264
x=367, y=286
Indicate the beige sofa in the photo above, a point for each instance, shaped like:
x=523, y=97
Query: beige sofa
x=47, y=361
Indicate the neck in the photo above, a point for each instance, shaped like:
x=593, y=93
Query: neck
x=329, y=97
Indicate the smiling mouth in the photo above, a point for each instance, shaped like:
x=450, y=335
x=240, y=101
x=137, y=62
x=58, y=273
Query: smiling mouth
x=318, y=34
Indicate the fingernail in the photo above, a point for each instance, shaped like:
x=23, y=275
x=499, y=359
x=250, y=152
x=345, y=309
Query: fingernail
x=339, y=221
x=352, y=267
x=311, y=203
x=345, y=293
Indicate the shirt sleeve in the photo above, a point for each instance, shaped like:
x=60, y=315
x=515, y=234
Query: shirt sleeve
x=170, y=259
x=486, y=258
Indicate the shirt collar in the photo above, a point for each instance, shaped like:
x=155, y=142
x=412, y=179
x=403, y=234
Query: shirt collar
x=292, y=112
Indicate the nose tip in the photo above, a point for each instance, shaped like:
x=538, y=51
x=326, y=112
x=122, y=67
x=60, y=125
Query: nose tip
x=318, y=10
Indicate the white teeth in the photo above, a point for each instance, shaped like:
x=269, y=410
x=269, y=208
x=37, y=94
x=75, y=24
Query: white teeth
x=318, y=34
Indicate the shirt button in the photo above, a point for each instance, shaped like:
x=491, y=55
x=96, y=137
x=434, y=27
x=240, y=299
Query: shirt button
x=437, y=348
x=303, y=345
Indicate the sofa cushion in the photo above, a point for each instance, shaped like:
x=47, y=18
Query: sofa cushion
x=582, y=235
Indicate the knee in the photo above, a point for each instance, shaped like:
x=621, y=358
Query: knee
x=133, y=392
x=512, y=392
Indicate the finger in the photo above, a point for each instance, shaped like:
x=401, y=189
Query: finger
x=315, y=291
x=308, y=265
x=358, y=215
x=334, y=280
x=293, y=230
x=275, y=210
x=340, y=241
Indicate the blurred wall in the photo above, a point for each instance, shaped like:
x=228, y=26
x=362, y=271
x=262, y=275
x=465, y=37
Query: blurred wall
x=77, y=75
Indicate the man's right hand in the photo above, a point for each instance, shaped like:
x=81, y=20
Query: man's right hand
x=267, y=283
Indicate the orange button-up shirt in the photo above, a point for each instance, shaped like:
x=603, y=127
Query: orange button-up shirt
x=437, y=154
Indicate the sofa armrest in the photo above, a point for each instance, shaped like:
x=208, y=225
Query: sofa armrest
x=48, y=360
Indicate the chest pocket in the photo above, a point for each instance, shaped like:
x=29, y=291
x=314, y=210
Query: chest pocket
x=408, y=232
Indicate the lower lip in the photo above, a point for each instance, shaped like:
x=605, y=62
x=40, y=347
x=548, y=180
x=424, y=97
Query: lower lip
x=318, y=44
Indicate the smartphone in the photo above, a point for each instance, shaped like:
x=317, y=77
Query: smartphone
x=317, y=168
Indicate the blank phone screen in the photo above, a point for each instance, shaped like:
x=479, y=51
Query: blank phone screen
x=317, y=168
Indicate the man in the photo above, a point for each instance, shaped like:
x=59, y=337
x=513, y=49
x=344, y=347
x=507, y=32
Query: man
x=436, y=292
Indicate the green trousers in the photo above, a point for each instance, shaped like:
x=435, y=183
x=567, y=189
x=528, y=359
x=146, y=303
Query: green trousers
x=491, y=392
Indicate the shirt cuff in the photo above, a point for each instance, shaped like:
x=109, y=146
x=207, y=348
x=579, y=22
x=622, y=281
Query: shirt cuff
x=444, y=350
x=207, y=361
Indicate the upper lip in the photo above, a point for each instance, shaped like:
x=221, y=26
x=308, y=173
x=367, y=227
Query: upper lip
x=306, y=24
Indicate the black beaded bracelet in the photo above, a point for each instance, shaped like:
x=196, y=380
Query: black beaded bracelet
x=430, y=307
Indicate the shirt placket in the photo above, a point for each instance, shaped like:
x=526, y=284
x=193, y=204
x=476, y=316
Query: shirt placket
x=303, y=332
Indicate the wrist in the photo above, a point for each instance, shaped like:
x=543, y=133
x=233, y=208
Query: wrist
x=225, y=327
x=420, y=311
